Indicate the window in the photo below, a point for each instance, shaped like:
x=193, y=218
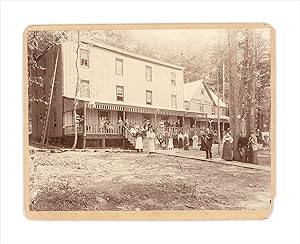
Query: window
x=54, y=118
x=201, y=108
x=120, y=93
x=187, y=105
x=119, y=66
x=148, y=73
x=84, y=58
x=149, y=97
x=173, y=79
x=202, y=91
x=174, y=101
x=85, y=89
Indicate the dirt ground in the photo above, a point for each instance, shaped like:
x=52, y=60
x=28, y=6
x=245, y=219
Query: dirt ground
x=124, y=180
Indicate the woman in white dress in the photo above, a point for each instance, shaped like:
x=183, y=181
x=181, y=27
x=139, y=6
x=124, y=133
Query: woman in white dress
x=151, y=137
x=170, y=144
x=195, y=141
x=139, y=142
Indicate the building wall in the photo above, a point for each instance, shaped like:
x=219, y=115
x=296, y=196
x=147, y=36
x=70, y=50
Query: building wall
x=39, y=108
x=201, y=98
x=103, y=78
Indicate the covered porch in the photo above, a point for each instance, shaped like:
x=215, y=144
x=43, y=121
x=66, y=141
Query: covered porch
x=90, y=117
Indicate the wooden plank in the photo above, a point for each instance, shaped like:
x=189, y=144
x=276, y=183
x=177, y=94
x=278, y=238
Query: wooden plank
x=45, y=130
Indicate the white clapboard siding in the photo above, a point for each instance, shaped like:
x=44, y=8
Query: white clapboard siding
x=103, y=78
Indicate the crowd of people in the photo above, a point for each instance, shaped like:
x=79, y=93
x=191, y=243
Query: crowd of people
x=247, y=146
x=168, y=123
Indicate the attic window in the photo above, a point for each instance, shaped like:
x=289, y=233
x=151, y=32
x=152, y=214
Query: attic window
x=187, y=105
x=202, y=91
x=84, y=58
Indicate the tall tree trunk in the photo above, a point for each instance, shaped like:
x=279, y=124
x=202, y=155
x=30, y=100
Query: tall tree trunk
x=234, y=86
x=244, y=81
x=76, y=94
x=252, y=85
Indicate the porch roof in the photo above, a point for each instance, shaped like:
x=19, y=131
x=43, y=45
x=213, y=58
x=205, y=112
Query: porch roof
x=145, y=109
x=215, y=117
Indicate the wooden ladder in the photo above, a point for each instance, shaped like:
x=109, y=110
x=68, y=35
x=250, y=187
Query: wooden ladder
x=48, y=105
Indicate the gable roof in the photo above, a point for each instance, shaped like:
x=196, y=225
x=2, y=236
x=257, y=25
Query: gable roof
x=191, y=88
x=214, y=98
x=128, y=53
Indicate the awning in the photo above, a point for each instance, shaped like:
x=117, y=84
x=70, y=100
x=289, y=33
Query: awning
x=145, y=110
x=215, y=117
x=196, y=115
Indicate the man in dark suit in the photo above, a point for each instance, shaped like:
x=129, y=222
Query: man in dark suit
x=208, y=141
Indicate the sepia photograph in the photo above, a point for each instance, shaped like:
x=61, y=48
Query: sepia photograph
x=149, y=121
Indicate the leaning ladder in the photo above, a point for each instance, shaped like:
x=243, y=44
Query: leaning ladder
x=48, y=104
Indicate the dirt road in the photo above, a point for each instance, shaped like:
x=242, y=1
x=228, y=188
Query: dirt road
x=100, y=180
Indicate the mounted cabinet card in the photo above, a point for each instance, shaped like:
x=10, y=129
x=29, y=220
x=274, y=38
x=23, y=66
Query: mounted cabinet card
x=163, y=121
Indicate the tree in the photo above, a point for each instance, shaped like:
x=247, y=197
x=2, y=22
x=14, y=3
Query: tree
x=39, y=42
x=234, y=88
x=77, y=88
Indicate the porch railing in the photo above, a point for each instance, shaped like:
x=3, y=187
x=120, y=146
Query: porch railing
x=95, y=129
x=111, y=130
x=117, y=130
x=174, y=131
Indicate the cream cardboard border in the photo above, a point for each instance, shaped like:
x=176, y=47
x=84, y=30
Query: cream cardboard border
x=149, y=215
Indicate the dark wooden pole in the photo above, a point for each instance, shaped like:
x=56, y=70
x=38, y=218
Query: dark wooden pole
x=84, y=125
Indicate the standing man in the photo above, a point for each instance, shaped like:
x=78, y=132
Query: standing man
x=243, y=147
x=208, y=142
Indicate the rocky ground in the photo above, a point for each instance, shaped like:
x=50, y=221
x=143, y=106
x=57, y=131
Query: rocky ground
x=124, y=180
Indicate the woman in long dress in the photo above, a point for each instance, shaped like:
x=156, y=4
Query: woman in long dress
x=227, y=153
x=180, y=140
x=195, y=141
x=202, y=142
x=167, y=137
x=170, y=145
x=252, y=154
x=139, y=142
x=151, y=140
x=186, y=141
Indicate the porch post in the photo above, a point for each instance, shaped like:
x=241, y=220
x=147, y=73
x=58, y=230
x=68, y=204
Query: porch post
x=103, y=143
x=155, y=120
x=206, y=125
x=84, y=125
x=124, y=116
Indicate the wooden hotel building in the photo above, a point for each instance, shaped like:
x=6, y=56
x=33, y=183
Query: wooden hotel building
x=113, y=83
